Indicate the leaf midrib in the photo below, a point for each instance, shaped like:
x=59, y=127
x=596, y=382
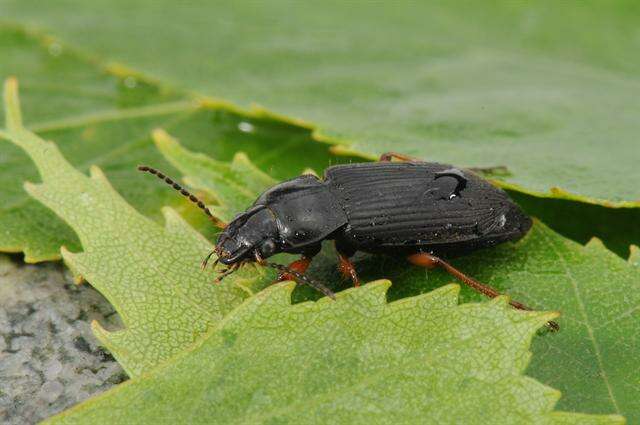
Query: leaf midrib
x=98, y=117
x=586, y=322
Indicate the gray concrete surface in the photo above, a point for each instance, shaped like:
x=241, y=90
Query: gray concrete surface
x=49, y=358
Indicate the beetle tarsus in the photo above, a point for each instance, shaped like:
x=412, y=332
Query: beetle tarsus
x=226, y=272
x=429, y=261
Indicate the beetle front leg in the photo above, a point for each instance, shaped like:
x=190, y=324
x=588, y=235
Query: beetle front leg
x=299, y=266
x=429, y=261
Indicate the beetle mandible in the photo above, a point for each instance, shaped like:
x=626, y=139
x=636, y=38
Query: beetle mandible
x=421, y=210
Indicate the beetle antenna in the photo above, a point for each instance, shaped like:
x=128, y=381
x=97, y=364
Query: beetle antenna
x=204, y=263
x=302, y=279
x=182, y=190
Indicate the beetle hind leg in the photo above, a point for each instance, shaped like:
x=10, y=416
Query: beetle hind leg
x=429, y=261
x=499, y=170
x=389, y=156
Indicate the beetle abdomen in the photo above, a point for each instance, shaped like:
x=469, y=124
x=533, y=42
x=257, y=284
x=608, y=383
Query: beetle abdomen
x=422, y=205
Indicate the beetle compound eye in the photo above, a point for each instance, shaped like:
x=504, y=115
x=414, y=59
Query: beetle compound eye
x=268, y=248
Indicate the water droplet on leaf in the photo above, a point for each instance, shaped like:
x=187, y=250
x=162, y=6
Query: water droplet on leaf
x=246, y=127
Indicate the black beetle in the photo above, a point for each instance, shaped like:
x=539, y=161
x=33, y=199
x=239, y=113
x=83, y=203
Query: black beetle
x=417, y=209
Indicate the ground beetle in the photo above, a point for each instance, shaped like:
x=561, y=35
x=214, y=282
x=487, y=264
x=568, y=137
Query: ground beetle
x=418, y=209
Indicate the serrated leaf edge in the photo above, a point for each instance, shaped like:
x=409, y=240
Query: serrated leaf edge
x=339, y=145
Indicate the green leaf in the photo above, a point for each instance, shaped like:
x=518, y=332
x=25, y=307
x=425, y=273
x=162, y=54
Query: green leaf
x=544, y=88
x=235, y=185
x=618, y=228
x=152, y=255
x=592, y=287
x=60, y=85
x=150, y=273
x=592, y=359
x=355, y=360
x=103, y=115
x=634, y=257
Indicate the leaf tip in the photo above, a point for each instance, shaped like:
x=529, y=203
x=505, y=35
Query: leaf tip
x=546, y=319
x=100, y=332
x=97, y=174
x=241, y=157
x=160, y=137
x=310, y=172
x=538, y=318
x=453, y=288
x=11, y=84
x=634, y=255
x=169, y=213
x=595, y=242
x=448, y=294
x=501, y=300
x=279, y=292
x=29, y=258
x=375, y=291
x=70, y=259
x=12, y=104
x=31, y=188
x=64, y=251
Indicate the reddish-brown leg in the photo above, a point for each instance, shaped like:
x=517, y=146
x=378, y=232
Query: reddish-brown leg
x=299, y=266
x=348, y=271
x=498, y=169
x=389, y=156
x=429, y=261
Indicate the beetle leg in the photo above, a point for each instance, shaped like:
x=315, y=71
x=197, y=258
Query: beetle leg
x=429, y=261
x=389, y=156
x=347, y=269
x=497, y=169
x=224, y=273
x=299, y=266
x=345, y=266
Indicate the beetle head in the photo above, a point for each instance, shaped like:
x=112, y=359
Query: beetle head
x=253, y=236
x=250, y=236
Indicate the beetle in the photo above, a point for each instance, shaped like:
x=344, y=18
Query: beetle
x=421, y=210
